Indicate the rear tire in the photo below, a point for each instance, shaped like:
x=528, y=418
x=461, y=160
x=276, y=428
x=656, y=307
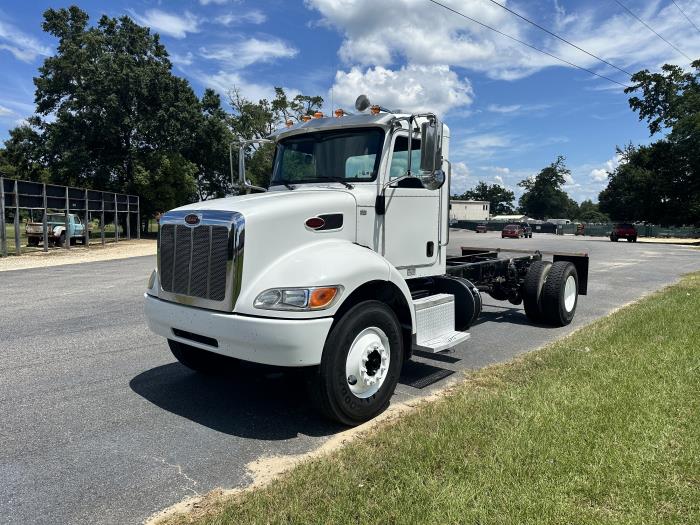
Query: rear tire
x=560, y=294
x=532, y=289
x=200, y=360
x=32, y=241
x=343, y=387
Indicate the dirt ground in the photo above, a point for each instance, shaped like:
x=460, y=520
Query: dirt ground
x=669, y=240
x=78, y=254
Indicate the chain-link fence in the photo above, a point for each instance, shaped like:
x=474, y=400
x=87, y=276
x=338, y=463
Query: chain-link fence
x=33, y=214
x=591, y=229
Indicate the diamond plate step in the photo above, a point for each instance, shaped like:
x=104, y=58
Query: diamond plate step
x=442, y=342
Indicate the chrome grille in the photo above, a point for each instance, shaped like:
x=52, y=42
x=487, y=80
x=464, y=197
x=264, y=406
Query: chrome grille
x=197, y=264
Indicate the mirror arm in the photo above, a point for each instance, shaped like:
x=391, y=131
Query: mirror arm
x=242, y=182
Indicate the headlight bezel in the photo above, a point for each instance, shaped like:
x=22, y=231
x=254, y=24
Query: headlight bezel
x=280, y=298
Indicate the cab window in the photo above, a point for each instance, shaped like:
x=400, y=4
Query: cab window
x=399, y=157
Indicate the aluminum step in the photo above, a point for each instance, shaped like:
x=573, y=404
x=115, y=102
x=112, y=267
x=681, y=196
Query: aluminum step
x=442, y=342
x=435, y=323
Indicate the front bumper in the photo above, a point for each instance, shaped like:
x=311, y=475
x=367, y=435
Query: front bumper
x=280, y=342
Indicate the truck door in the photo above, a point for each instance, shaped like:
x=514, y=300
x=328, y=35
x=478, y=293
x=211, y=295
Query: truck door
x=411, y=221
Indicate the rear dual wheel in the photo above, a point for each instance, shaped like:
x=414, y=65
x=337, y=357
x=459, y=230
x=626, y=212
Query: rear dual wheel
x=550, y=292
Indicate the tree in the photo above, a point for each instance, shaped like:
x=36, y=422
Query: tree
x=107, y=105
x=501, y=199
x=661, y=182
x=252, y=120
x=588, y=211
x=210, y=149
x=543, y=196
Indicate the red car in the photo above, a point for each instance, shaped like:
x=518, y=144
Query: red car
x=514, y=231
x=624, y=231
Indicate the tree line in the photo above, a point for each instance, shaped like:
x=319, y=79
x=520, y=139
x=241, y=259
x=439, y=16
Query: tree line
x=657, y=183
x=111, y=115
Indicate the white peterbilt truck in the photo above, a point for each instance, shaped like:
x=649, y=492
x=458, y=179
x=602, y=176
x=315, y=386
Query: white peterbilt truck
x=341, y=265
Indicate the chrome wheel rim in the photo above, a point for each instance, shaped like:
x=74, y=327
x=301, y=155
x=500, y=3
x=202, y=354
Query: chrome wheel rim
x=367, y=364
x=570, y=293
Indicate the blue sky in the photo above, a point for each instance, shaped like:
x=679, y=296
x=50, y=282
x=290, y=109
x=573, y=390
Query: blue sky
x=511, y=110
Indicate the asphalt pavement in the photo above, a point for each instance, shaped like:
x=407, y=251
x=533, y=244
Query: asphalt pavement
x=100, y=424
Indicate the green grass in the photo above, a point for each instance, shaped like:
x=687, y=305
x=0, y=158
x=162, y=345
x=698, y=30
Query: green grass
x=602, y=427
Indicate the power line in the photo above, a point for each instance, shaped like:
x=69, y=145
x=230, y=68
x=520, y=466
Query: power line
x=558, y=37
x=686, y=16
x=650, y=29
x=528, y=45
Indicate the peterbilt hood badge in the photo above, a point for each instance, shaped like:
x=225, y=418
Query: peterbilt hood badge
x=192, y=219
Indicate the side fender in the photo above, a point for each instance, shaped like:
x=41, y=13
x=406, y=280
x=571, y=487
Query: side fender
x=319, y=263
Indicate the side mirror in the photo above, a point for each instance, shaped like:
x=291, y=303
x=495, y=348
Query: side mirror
x=431, y=174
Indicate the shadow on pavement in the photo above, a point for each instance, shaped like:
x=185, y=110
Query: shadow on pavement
x=506, y=314
x=248, y=401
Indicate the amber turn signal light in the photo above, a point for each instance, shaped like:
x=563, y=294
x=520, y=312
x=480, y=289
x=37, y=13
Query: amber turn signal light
x=322, y=297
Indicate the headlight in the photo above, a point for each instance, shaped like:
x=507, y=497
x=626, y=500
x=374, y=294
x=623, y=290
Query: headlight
x=298, y=299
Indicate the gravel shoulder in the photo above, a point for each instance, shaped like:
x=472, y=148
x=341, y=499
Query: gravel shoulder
x=78, y=254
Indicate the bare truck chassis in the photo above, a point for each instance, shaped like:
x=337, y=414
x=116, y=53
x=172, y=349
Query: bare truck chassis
x=521, y=278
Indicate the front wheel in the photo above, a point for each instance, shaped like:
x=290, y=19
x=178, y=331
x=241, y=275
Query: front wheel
x=360, y=366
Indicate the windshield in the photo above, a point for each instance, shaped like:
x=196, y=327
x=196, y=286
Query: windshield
x=350, y=155
x=55, y=217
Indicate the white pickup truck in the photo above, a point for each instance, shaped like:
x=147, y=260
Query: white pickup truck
x=340, y=265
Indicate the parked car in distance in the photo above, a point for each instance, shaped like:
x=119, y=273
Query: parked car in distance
x=481, y=228
x=514, y=231
x=580, y=229
x=527, y=229
x=56, y=226
x=624, y=231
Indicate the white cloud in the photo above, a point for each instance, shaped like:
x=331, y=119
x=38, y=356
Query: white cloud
x=5, y=112
x=182, y=60
x=251, y=17
x=24, y=47
x=461, y=178
x=496, y=108
x=497, y=178
x=246, y=52
x=169, y=24
x=410, y=88
x=217, y=2
x=223, y=82
x=496, y=169
x=401, y=35
x=598, y=174
x=601, y=174
x=484, y=145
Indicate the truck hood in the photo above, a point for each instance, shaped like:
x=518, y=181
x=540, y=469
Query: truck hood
x=277, y=202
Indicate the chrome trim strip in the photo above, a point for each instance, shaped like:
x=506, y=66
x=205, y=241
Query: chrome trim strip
x=235, y=224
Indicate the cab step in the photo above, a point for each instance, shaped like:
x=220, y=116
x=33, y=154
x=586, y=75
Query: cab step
x=435, y=323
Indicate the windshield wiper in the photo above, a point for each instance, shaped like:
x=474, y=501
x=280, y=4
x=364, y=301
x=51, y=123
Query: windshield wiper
x=286, y=183
x=341, y=180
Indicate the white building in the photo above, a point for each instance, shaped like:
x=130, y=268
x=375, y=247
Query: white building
x=469, y=210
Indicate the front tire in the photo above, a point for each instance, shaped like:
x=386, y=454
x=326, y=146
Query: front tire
x=360, y=366
x=199, y=360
